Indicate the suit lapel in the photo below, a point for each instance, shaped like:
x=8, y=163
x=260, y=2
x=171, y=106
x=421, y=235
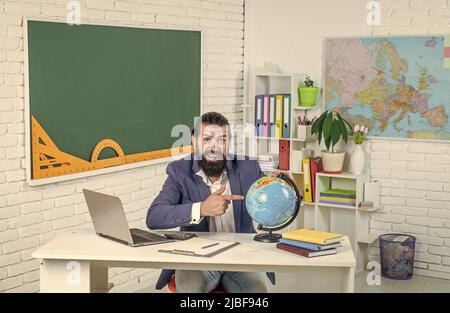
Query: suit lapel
x=236, y=189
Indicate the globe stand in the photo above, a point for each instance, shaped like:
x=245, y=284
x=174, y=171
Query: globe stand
x=267, y=237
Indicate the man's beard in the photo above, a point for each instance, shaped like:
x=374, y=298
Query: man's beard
x=213, y=168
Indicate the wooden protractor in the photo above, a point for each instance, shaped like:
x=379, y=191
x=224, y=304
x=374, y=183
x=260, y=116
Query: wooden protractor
x=103, y=144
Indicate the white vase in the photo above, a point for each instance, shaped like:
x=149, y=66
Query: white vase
x=357, y=160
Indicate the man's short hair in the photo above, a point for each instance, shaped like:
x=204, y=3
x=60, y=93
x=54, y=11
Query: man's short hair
x=210, y=118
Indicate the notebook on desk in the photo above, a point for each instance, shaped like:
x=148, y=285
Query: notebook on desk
x=199, y=247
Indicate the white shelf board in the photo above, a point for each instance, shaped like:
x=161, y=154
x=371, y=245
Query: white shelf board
x=340, y=175
x=304, y=108
x=304, y=140
x=339, y=206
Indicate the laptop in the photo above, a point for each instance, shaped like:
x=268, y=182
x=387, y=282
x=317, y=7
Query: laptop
x=110, y=221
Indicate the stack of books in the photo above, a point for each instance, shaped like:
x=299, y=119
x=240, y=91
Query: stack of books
x=268, y=162
x=338, y=196
x=310, y=243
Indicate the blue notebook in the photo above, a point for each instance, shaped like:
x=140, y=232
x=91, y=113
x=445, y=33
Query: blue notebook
x=328, y=194
x=310, y=246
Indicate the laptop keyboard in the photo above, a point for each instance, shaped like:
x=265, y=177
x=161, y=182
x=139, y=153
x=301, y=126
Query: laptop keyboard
x=139, y=236
x=138, y=239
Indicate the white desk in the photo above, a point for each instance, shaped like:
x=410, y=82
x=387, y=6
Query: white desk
x=78, y=261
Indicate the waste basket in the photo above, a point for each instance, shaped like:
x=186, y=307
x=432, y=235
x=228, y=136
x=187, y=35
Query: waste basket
x=397, y=255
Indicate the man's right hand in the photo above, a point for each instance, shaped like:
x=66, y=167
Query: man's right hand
x=217, y=204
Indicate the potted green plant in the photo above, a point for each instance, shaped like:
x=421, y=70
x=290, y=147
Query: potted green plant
x=332, y=127
x=308, y=93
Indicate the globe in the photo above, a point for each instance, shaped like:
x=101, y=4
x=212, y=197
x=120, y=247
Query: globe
x=273, y=203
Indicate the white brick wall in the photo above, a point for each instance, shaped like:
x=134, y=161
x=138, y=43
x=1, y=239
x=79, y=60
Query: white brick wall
x=31, y=216
x=414, y=175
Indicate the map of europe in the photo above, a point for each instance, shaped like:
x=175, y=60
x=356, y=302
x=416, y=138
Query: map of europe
x=398, y=86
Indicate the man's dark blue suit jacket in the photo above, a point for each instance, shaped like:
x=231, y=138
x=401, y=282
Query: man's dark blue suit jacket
x=172, y=207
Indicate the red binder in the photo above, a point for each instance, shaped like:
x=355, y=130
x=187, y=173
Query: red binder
x=283, y=149
x=316, y=166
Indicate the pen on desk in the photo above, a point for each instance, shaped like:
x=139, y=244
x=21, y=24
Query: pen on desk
x=211, y=245
x=183, y=252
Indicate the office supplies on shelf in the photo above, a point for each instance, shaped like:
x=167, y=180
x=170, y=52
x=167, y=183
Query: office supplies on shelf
x=303, y=120
x=259, y=115
x=279, y=116
x=316, y=166
x=338, y=196
x=273, y=126
x=266, y=117
x=283, y=148
x=372, y=192
x=312, y=236
x=307, y=181
x=305, y=252
x=199, y=247
x=286, y=133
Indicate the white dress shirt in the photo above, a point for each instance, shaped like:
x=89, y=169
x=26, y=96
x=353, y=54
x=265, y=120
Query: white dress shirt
x=225, y=222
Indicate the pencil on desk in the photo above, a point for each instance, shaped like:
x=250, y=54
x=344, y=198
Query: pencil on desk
x=210, y=245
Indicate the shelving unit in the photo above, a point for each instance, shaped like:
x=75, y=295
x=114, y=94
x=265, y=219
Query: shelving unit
x=349, y=220
x=261, y=83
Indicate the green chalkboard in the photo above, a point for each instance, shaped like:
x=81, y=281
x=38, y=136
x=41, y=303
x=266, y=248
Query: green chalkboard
x=133, y=85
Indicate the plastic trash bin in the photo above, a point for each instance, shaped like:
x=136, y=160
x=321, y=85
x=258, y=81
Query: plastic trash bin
x=397, y=255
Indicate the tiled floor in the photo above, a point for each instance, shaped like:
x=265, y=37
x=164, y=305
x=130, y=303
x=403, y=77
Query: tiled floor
x=293, y=283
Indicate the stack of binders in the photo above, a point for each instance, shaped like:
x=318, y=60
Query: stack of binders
x=338, y=196
x=310, y=167
x=310, y=243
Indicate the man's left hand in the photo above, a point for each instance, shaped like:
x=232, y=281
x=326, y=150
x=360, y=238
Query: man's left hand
x=278, y=173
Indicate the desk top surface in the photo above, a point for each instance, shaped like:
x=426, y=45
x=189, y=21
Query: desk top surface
x=82, y=244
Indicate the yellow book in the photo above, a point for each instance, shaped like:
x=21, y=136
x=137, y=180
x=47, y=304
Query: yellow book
x=312, y=236
x=338, y=199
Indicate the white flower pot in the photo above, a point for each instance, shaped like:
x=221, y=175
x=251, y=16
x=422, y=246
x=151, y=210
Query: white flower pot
x=303, y=132
x=333, y=161
x=357, y=160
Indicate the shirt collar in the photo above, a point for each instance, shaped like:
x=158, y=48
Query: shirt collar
x=222, y=179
